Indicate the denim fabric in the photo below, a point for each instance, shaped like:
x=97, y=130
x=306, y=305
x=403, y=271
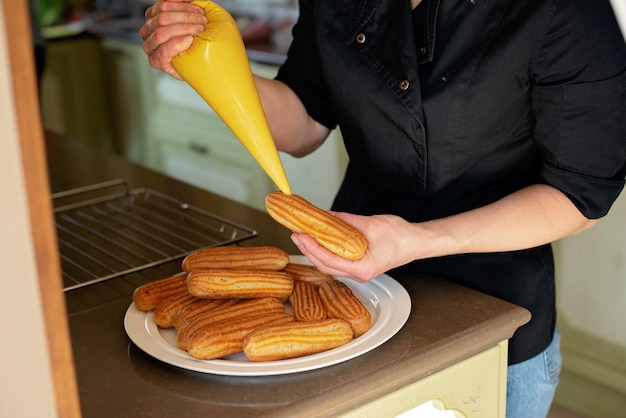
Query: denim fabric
x=531, y=384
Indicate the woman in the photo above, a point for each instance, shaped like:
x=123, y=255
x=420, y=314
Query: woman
x=478, y=133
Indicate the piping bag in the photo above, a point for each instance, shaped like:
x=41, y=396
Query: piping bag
x=216, y=66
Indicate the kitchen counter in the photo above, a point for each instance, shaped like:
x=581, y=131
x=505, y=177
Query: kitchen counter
x=448, y=325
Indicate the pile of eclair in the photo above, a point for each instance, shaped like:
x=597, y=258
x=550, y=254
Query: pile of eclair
x=233, y=299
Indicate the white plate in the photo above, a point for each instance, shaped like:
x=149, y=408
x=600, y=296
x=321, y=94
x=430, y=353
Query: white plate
x=388, y=302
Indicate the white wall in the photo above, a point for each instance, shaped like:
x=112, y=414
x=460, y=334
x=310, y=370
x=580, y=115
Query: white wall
x=592, y=278
x=591, y=306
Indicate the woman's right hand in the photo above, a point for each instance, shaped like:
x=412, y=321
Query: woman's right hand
x=169, y=30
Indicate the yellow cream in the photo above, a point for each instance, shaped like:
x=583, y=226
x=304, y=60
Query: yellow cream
x=217, y=67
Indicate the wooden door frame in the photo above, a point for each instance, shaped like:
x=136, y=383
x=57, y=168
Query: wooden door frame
x=35, y=176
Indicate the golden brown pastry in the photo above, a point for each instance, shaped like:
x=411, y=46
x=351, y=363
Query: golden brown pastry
x=301, y=216
x=278, y=342
x=243, y=284
x=166, y=311
x=241, y=309
x=341, y=303
x=146, y=297
x=231, y=257
x=306, y=273
x=306, y=303
x=225, y=338
x=200, y=307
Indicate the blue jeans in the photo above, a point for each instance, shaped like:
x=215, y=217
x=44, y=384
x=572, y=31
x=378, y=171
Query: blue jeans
x=531, y=384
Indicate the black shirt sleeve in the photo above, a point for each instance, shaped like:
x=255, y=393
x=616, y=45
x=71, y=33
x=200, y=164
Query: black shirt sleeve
x=579, y=100
x=302, y=71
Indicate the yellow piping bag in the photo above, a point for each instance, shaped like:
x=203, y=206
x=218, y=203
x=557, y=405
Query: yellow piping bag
x=216, y=66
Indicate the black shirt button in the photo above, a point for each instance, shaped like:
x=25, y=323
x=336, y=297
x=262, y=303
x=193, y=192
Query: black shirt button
x=472, y=2
x=404, y=85
x=444, y=78
x=423, y=50
x=360, y=38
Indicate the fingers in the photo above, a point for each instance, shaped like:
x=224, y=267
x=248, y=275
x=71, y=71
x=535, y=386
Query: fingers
x=330, y=263
x=388, y=247
x=170, y=13
x=168, y=30
x=161, y=58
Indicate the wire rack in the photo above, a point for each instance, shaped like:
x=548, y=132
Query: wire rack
x=107, y=230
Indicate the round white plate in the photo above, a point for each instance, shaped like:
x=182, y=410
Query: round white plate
x=388, y=302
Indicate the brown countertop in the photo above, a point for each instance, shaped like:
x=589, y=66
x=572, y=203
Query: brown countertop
x=448, y=324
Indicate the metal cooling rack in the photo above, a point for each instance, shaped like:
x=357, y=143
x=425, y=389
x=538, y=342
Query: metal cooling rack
x=107, y=230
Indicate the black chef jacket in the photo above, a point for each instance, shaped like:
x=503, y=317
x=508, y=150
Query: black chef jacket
x=462, y=102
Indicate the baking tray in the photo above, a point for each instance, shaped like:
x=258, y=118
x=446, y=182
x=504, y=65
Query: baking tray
x=107, y=230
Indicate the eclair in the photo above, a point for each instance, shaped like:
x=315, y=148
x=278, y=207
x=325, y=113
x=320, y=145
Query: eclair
x=301, y=216
x=226, y=338
x=286, y=341
x=165, y=313
x=146, y=297
x=239, y=310
x=243, y=284
x=306, y=273
x=306, y=303
x=341, y=303
x=234, y=257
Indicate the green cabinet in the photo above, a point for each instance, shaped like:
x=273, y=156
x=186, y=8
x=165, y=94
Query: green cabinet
x=98, y=91
x=74, y=99
x=130, y=87
x=473, y=388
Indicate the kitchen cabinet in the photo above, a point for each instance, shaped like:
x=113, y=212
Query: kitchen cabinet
x=74, y=99
x=200, y=151
x=475, y=387
x=98, y=91
x=130, y=85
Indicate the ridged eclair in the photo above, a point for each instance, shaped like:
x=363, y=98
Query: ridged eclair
x=301, y=216
x=239, y=310
x=278, y=342
x=146, y=297
x=200, y=307
x=341, y=303
x=306, y=273
x=226, y=337
x=243, y=284
x=165, y=313
x=235, y=257
x=306, y=303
